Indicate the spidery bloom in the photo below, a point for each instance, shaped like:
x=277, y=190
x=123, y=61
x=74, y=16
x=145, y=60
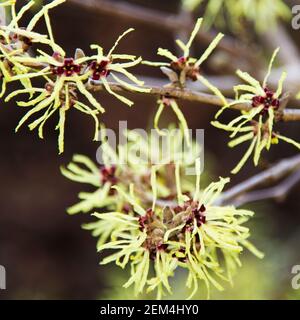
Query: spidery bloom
x=186, y=68
x=256, y=125
x=15, y=41
x=65, y=80
x=84, y=170
x=117, y=168
x=69, y=79
x=121, y=167
x=100, y=66
x=190, y=235
x=234, y=14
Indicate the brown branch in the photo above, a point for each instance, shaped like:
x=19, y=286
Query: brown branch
x=189, y=95
x=169, y=22
x=240, y=195
x=223, y=83
x=275, y=173
x=278, y=192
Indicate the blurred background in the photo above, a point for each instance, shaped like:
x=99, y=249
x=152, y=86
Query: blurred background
x=45, y=252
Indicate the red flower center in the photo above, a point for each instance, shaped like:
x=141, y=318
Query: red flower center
x=108, y=174
x=100, y=69
x=68, y=68
x=146, y=219
x=198, y=215
x=268, y=100
x=184, y=63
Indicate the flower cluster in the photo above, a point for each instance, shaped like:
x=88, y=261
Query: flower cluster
x=193, y=234
x=235, y=13
x=66, y=79
x=257, y=124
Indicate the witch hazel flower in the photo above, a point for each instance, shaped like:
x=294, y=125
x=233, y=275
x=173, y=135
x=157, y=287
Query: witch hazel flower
x=191, y=234
x=202, y=230
x=186, y=67
x=16, y=40
x=257, y=124
x=259, y=96
x=258, y=135
x=138, y=240
x=83, y=170
x=65, y=80
x=101, y=66
x=20, y=37
x=112, y=172
x=116, y=168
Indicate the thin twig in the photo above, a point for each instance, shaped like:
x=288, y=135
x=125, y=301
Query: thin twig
x=189, y=95
x=275, y=173
x=224, y=83
x=277, y=192
x=240, y=195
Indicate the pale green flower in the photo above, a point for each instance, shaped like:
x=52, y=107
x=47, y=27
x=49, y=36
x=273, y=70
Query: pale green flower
x=16, y=65
x=27, y=32
x=258, y=135
x=16, y=40
x=256, y=125
x=101, y=66
x=186, y=68
x=117, y=168
x=84, y=170
x=65, y=80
